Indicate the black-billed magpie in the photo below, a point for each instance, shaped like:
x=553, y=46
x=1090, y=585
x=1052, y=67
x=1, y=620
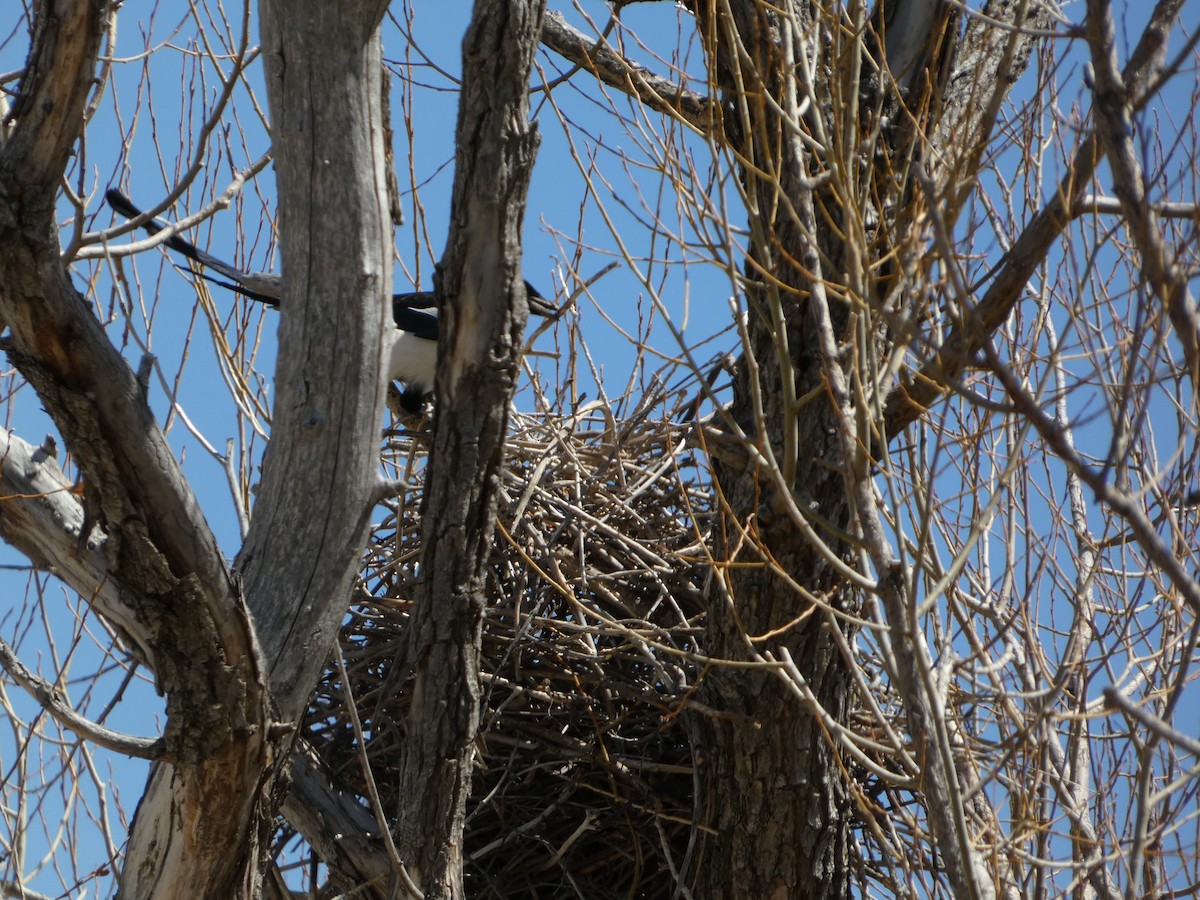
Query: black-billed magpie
x=413, y=357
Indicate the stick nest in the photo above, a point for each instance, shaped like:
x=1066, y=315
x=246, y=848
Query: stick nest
x=584, y=765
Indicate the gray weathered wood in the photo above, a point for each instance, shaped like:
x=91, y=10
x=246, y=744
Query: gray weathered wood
x=319, y=475
x=203, y=820
x=195, y=628
x=42, y=516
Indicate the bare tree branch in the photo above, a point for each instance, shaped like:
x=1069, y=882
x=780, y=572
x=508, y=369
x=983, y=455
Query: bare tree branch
x=42, y=516
x=994, y=50
x=912, y=669
x=200, y=641
x=1124, y=504
x=20, y=892
x=1093, y=204
x=302, y=551
x=1116, y=700
x=51, y=700
x=343, y=833
x=320, y=471
x=918, y=391
x=800, y=672
x=1114, y=125
x=48, y=110
x=614, y=70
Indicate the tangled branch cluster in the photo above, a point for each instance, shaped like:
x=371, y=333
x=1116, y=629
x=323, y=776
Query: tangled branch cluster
x=585, y=759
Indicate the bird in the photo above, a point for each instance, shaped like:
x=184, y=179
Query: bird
x=412, y=360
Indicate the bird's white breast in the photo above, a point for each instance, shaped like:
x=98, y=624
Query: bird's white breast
x=413, y=361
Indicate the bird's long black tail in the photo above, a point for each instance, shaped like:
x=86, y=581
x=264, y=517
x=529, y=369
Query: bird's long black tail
x=122, y=205
x=539, y=305
x=407, y=304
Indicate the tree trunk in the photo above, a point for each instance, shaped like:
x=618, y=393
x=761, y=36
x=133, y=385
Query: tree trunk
x=319, y=477
x=480, y=279
x=158, y=548
x=827, y=245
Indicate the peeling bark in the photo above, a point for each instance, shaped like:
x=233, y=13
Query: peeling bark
x=42, y=516
x=202, y=824
x=188, y=617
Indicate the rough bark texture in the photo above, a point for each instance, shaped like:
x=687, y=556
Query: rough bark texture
x=195, y=629
x=781, y=807
x=43, y=517
x=343, y=833
x=780, y=802
x=480, y=279
x=318, y=485
x=202, y=822
x=319, y=476
x=657, y=92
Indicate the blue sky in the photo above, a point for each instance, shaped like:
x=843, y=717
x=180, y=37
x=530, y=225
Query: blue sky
x=144, y=136
x=159, y=109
